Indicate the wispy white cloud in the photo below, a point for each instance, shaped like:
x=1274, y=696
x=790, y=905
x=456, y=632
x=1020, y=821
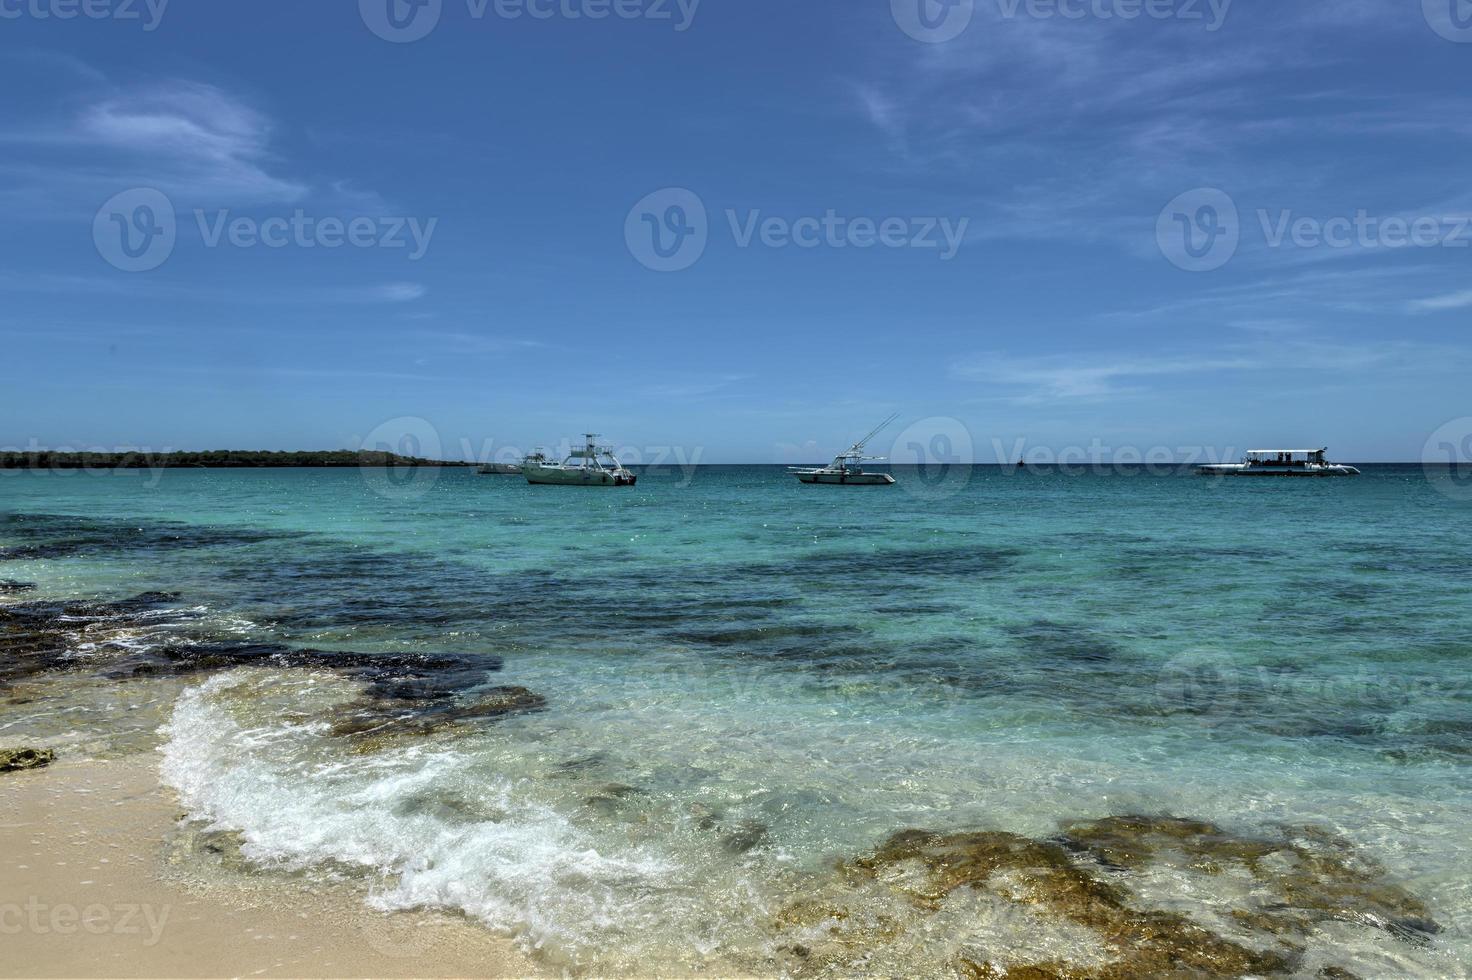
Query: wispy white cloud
x=695, y=387
x=464, y=342
x=1448, y=301
x=1083, y=130
x=395, y=292
x=1302, y=297
x=1093, y=376
x=194, y=141
x=1080, y=376
x=374, y=293
x=884, y=113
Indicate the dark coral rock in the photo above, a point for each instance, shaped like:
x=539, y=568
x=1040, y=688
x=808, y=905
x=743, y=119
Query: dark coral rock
x=18, y=760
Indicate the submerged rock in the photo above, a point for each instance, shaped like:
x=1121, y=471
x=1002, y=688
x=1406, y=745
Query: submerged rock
x=1146, y=943
x=18, y=760
x=577, y=767
x=10, y=586
x=745, y=836
x=611, y=799
x=38, y=637
x=385, y=718
x=1309, y=875
x=940, y=895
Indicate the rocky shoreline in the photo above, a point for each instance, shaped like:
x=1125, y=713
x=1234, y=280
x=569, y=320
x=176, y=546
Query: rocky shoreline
x=1087, y=880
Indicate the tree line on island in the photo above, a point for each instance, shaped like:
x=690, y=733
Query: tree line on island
x=219, y=458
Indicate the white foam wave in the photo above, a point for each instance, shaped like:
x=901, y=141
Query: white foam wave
x=300, y=799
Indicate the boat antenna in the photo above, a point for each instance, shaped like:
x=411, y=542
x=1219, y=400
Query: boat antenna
x=859, y=446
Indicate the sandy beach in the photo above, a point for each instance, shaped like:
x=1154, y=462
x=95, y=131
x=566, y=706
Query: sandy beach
x=96, y=882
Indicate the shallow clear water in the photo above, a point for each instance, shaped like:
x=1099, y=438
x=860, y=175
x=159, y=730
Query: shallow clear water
x=749, y=681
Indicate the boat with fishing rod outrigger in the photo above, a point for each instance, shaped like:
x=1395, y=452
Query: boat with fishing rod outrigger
x=591, y=466
x=847, y=468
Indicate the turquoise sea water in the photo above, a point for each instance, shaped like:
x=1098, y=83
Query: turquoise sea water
x=749, y=682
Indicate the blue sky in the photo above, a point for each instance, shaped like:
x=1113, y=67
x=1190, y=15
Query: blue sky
x=531, y=153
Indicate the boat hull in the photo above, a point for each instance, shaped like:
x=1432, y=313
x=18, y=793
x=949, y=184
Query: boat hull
x=1236, y=469
x=575, y=477
x=847, y=479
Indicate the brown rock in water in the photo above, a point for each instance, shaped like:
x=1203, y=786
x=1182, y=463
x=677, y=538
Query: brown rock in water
x=18, y=760
x=1314, y=875
x=388, y=718
x=1042, y=874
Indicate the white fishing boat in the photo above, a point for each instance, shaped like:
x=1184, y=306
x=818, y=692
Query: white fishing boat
x=591, y=466
x=847, y=468
x=1280, y=462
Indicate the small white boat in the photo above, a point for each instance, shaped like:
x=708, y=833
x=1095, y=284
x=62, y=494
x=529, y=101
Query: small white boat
x=847, y=468
x=591, y=466
x=1280, y=462
x=500, y=469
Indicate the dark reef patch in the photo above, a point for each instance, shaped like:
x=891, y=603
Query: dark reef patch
x=42, y=636
x=403, y=694
x=63, y=536
x=1065, y=643
x=968, y=561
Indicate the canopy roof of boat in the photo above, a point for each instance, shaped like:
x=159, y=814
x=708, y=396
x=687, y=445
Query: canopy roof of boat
x=1258, y=452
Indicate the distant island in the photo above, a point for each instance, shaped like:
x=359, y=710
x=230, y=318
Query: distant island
x=214, y=459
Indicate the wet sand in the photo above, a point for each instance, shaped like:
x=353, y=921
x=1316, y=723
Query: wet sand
x=93, y=883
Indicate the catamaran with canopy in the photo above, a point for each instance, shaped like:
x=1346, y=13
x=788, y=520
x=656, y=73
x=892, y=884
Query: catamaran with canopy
x=1280, y=462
